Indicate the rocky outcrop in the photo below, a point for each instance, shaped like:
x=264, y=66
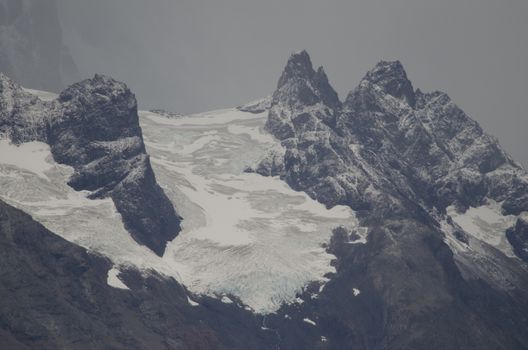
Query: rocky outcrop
x=258, y=106
x=31, y=46
x=399, y=157
x=93, y=126
x=518, y=238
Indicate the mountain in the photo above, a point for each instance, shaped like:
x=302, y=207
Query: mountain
x=31, y=47
x=389, y=220
x=411, y=164
x=93, y=127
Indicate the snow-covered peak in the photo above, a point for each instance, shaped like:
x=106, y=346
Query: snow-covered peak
x=300, y=82
x=391, y=78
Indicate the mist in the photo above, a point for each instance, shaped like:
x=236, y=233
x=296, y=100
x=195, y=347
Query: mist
x=191, y=56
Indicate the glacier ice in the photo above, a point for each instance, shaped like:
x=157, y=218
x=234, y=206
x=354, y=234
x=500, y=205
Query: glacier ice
x=244, y=235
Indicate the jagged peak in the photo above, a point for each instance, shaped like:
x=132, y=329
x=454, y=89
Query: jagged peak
x=311, y=85
x=301, y=56
x=389, y=67
x=392, y=78
x=328, y=94
x=299, y=65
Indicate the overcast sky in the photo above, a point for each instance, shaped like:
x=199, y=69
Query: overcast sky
x=197, y=55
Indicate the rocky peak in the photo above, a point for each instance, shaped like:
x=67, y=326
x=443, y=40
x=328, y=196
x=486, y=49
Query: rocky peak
x=300, y=82
x=391, y=77
x=99, y=85
x=326, y=91
x=93, y=126
x=299, y=66
x=400, y=158
x=304, y=100
x=429, y=142
x=105, y=108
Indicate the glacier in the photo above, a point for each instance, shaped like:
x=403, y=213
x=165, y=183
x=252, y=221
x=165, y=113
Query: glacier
x=246, y=237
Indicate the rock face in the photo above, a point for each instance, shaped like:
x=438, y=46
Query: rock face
x=400, y=157
x=387, y=140
x=518, y=237
x=31, y=47
x=93, y=126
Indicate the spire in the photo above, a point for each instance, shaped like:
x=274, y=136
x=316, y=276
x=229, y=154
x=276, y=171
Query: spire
x=392, y=78
x=299, y=66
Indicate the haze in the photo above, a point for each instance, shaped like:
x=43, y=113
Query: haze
x=196, y=55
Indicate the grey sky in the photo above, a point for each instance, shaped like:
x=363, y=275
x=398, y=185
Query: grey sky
x=196, y=55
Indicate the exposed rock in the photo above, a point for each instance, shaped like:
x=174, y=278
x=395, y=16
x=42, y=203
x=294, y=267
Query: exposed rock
x=518, y=238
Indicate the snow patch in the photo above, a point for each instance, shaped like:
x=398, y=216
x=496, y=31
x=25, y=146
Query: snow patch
x=33, y=157
x=226, y=300
x=113, y=279
x=486, y=223
x=307, y=320
x=192, y=302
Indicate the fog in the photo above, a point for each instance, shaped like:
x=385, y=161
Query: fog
x=197, y=55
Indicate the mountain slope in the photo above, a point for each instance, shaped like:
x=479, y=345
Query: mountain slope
x=55, y=295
